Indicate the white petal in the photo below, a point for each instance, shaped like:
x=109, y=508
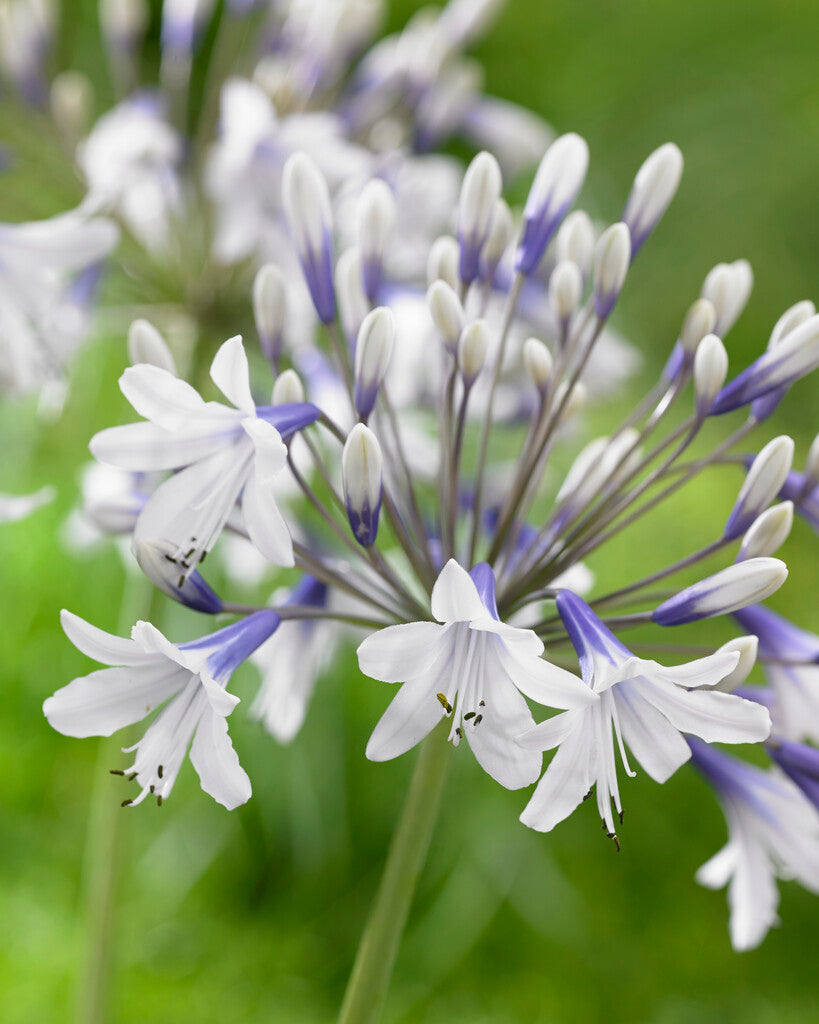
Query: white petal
x=494, y=743
x=549, y=685
x=412, y=713
x=144, y=446
x=102, y=646
x=159, y=396
x=700, y=672
x=455, y=597
x=17, y=506
x=551, y=733
x=265, y=523
x=217, y=764
x=403, y=652
x=221, y=702
x=230, y=373
x=713, y=716
x=654, y=741
x=752, y=896
x=524, y=642
x=103, y=702
x=714, y=873
x=271, y=451
x=566, y=781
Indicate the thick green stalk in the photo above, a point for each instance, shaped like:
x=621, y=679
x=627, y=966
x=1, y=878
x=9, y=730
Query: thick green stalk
x=370, y=977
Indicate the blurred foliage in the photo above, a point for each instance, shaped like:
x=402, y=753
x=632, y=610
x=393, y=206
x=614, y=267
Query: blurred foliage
x=254, y=916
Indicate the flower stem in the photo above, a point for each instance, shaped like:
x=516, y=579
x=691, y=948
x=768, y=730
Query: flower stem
x=370, y=977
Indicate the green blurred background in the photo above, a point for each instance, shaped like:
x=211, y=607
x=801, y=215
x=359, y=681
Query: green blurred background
x=254, y=916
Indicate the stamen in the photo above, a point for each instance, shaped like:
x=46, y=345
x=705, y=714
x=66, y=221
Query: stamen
x=159, y=771
x=441, y=700
x=126, y=803
x=115, y=771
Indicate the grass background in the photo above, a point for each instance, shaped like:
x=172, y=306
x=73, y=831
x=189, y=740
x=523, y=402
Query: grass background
x=254, y=916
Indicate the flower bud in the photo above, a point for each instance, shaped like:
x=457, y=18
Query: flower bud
x=538, y=362
x=575, y=401
x=353, y=304
x=768, y=532
x=479, y=192
x=728, y=287
x=442, y=262
x=497, y=240
x=710, y=371
x=372, y=357
x=124, y=23
x=472, y=348
x=764, y=406
x=72, y=102
x=270, y=310
x=558, y=180
x=736, y=587
x=699, y=321
x=762, y=484
x=288, y=389
x=376, y=216
x=746, y=647
x=306, y=202
x=575, y=241
x=612, y=256
x=447, y=313
x=361, y=475
x=812, y=465
x=156, y=559
x=565, y=288
x=655, y=185
x=183, y=24
x=146, y=345
x=796, y=355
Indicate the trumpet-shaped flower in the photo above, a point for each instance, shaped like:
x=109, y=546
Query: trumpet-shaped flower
x=471, y=668
x=646, y=706
x=147, y=671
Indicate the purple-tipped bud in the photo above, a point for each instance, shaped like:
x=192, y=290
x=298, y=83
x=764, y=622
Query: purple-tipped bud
x=612, y=256
x=288, y=389
x=270, y=310
x=157, y=560
x=183, y=24
x=372, y=357
x=538, y=362
x=726, y=591
x=447, y=313
x=376, y=216
x=498, y=238
x=654, y=187
x=146, y=345
x=575, y=241
x=768, y=533
x=765, y=406
x=353, y=304
x=557, y=183
x=699, y=321
x=480, y=191
x=765, y=478
x=361, y=469
x=306, y=202
x=728, y=288
x=565, y=288
x=472, y=348
x=442, y=263
x=710, y=371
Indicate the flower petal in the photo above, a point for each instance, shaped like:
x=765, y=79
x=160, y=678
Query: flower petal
x=713, y=716
x=101, y=646
x=701, y=672
x=548, y=684
x=271, y=451
x=216, y=762
x=551, y=733
x=411, y=714
x=655, y=742
x=221, y=702
x=265, y=523
x=565, y=783
x=145, y=446
x=398, y=653
x=455, y=597
x=230, y=373
x=494, y=743
x=160, y=396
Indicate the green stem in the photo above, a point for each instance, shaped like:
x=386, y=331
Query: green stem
x=370, y=977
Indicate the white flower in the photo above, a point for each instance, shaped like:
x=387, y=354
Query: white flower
x=222, y=452
x=646, y=706
x=14, y=507
x=149, y=671
x=773, y=832
x=471, y=667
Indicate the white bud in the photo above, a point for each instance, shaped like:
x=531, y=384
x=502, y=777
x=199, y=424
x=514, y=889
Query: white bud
x=353, y=304
x=790, y=320
x=762, y=484
x=726, y=591
x=710, y=371
x=559, y=176
x=288, y=389
x=812, y=464
x=361, y=470
x=565, y=288
x=270, y=309
x=728, y=286
x=575, y=241
x=472, y=348
x=479, y=192
x=72, y=102
x=306, y=202
x=500, y=234
x=575, y=401
x=124, y=21
x=655, y=185
x=146, y=345
x=372, y=357
x=442, y=263
x=768, y=532
x=447, y=313
x=375, y=218
x=699, y=321
x=746, y=647
x=612, y=256
x=538, y=362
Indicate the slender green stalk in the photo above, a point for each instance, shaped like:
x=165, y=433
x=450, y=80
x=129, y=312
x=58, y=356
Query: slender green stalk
x=370, y=977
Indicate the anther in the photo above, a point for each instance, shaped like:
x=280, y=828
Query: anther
x=443, y=702
x=621, y=817
x=152, y=788
x=132, y=776
x=116, y=771
x=459, y=733
x=586, y=797
x=126, y=803
x=478, y=720
x=468, y=715
x=159, y=800
x=159, y=771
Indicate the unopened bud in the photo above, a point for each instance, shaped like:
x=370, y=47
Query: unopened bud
x=479, y=192
x=146, y=345
x=699, y=321
x=812, y=465
x=768, y=532
x=728, y=287
x=447, y=313
x=739, y=585
x=746, y=647
x=270, y=310
x=288, y=389
x=558, y=180
x=565, y=288
x=575, y=399
x=376, y=216
x=156, y=558
x=361, y=469
x=710, y=371
x=306, y=202
x=612, y=256
x=767, y=404
x=372, y=357
x=124, y=22
x=538, y=362
x=500, y=235
x=472, y=348
x=575, y=241
x=762, y=484
x=353, y=304
x=442, y=263
x=72, y=102
x=655, y=185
